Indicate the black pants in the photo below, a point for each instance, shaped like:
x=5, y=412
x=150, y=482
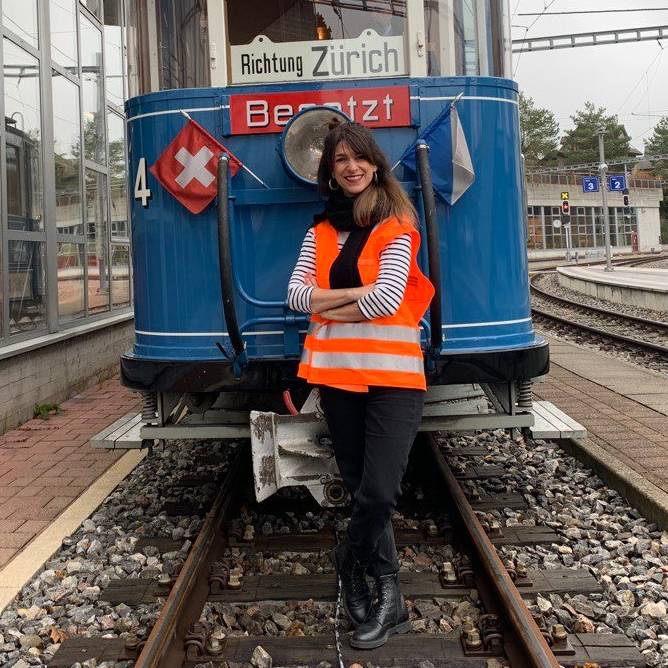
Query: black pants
x=372, y=435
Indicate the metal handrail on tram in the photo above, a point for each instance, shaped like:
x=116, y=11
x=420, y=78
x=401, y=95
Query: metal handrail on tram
x=226, y=271
x=433, y=247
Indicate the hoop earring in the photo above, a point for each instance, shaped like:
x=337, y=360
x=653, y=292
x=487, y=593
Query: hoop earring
x=333, y=187
x=375, y=177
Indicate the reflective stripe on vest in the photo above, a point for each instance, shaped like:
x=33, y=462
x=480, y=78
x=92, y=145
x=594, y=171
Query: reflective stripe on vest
x=367, y=361
x=382, y=352
x=356, y=330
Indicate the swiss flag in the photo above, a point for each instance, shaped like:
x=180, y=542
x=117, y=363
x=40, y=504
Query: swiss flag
x=187, y=167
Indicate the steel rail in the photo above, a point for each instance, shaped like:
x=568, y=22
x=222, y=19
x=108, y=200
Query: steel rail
x=617, y=262
x=653, y=347
x=597, y=309
x=164, y=647
x=528, y=635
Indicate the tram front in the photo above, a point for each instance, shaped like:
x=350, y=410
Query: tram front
x=230, y=75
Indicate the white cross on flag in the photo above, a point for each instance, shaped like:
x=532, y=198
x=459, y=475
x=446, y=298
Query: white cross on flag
x=187, y=167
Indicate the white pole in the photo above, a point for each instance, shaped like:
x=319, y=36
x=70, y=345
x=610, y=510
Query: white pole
x=602, y=170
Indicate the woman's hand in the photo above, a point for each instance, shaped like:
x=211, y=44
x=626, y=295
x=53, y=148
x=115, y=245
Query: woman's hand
x=309, y=279
x=358, y=293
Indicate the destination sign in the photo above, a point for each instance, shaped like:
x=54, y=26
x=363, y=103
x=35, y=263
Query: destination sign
x=255, y=113
x=366, y=56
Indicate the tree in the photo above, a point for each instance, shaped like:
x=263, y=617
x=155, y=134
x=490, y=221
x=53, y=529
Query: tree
x=657, y=144
x=580, y=144
x=539, y=132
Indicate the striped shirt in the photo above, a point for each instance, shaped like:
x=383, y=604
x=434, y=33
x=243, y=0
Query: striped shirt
x=384, y=300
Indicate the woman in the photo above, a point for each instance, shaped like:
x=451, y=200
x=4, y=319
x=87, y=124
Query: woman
x=357, y=275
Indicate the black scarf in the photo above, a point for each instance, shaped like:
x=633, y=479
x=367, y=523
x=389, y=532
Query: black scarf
x=339, y=211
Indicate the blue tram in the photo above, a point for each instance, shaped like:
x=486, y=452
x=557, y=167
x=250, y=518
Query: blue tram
x=210, y=285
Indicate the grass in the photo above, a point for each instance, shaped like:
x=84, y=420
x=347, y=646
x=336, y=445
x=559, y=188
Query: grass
x=45, y=411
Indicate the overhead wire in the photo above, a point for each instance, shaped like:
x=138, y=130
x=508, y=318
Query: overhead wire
x=640, y=80
x=546, y=5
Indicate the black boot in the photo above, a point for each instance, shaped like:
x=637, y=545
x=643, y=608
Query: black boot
x=389, y=615
x=356, y=593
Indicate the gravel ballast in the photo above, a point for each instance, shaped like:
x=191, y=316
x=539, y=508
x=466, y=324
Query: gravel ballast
x=601, y=533
x=65, y=599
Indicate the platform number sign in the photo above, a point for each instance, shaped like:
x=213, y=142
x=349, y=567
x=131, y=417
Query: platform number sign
x=617, y=183
x=141, y=191
x=590, y=184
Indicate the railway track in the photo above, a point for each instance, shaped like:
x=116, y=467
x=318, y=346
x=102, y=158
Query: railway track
x=640, y=334
x=505, y=633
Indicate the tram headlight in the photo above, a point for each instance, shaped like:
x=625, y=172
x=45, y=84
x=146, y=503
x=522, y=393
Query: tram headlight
x=303, y=139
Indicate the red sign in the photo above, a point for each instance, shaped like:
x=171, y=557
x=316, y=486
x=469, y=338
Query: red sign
x=256, y=113
x=187, y=167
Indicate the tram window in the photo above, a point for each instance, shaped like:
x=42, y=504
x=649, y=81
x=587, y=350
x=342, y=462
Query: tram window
x=466, y=37
x=183, y=43
x=454, y=41
x=299, y=40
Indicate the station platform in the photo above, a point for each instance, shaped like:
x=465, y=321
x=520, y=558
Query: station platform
x=625, y=411
x=633, y=286
x=51, y=479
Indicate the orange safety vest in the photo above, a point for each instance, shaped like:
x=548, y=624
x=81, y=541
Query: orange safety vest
x=383, y=351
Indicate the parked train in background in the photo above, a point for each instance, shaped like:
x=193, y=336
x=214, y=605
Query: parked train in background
x=210, y=273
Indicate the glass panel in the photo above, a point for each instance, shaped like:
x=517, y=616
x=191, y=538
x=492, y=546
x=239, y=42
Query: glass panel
x=535, y=225
x=183, y=43
x=120, y=276
x=71, y=261
x=98, y=246
x=93, y=6
x=436, y=21
x=20, y=16
x=67, y=154
x=27, y=294
x=93, y=102
x=137, y=48
x=466, y=37
x=113, y=52
x=64, y=33
x=119, y=203
x=23, y=135
x=303, y=40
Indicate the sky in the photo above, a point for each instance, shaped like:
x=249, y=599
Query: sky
x=630, y=80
